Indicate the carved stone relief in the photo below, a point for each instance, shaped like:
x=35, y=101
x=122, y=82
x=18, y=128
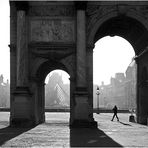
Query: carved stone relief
x=94, y=9
x=69, y=62
x=142, y=10
x=55, y=30
x=52, y=51
x=96, y=12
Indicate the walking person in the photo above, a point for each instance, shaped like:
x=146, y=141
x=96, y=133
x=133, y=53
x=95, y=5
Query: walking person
x=115, y=109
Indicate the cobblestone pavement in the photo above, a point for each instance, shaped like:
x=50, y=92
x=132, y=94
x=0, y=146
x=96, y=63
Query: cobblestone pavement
x=55, y=132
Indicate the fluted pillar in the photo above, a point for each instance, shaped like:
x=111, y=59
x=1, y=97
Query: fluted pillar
x=82, y=109
x=81, y=49
x=22, y=114
x=13, y=42
x=22, y=71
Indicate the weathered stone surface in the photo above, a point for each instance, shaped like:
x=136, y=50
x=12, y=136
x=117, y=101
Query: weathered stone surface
x=81, y=49
x=48, y=28
x=21, y=49
x=98, y=11
x=52, y=10
x=52, y=30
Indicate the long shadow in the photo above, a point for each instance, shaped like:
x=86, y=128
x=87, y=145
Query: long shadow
x=91, y=138
x=8, y=133
x=125, y=123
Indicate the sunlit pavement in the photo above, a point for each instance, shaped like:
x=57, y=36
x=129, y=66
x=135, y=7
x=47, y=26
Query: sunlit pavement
x=56, y=133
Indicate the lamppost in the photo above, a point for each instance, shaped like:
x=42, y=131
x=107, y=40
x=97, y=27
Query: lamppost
x=98, y=93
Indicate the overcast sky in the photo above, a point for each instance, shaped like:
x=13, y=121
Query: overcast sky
x=111, y=54
x=4, y=39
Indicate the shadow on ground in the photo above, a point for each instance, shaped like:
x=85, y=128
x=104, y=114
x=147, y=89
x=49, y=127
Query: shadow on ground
x=91, y=138
x=79, y=137
x=125, y=123
x=8, y=133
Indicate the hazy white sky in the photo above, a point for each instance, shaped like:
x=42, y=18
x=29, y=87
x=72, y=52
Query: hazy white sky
x=4, y=39
x=111, y=54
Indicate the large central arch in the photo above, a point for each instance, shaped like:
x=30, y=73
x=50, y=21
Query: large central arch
x=127, y=27
x=134, y=28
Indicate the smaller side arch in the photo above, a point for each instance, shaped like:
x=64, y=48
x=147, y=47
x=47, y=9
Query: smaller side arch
x=49, y=66
x=40, y=72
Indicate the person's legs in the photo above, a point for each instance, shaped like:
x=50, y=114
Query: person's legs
x=113, y=117
x=117, y=117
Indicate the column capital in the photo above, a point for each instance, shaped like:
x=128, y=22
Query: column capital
x=80, y=5
x=34, y=79
x=136, y=58
x=12, y=47
x=22, y=5
x=90, y=47
x=144, y=52
x=72, y=79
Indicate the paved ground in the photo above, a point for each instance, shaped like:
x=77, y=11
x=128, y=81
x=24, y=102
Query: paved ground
x=56, y=133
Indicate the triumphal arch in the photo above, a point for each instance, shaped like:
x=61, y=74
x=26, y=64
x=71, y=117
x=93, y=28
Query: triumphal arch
x=49, y=35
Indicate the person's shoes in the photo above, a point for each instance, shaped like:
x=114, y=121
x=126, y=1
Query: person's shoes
x=111, y=120
x=118, y=120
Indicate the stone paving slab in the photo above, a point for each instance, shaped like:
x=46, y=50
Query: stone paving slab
x=55, y=132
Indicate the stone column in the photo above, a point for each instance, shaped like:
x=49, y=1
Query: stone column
x=13, y=34
x=81, y=49
x=137, y=91
x=72, y=99
x=142, y=87
x=22, y=72
x=90, y=76
x=22, y=110
x=82, y=108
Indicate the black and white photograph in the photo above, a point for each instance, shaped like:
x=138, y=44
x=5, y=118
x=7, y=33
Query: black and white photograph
x=73, y=73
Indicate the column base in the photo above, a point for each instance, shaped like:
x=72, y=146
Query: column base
x=83, y=124
x=22, y=122
x=82, y=109
x=143, y=120
x=21, y=110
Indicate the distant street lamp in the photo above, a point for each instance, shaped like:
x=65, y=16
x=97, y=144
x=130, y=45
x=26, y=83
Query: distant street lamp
x=98, y=93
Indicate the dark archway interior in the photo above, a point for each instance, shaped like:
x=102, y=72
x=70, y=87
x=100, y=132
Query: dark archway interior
x=49, y=66
x=126, y=27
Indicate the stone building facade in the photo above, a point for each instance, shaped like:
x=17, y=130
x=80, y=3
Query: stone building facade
x=121, y=91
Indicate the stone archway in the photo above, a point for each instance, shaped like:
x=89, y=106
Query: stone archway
x=57, y=90
x=39, y=96
x=124, y=21
x=45, y=35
